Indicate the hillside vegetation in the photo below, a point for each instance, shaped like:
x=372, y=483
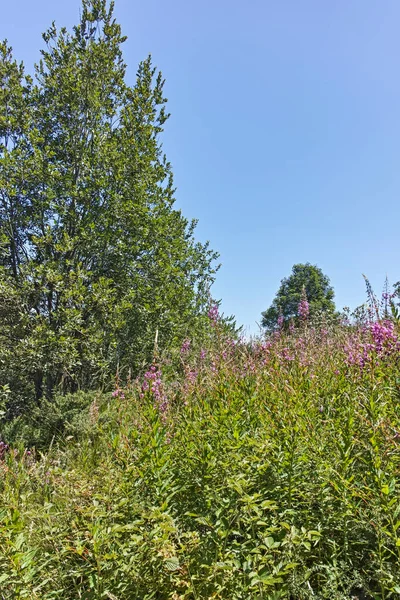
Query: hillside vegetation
x=250, y=470
x=147, y=452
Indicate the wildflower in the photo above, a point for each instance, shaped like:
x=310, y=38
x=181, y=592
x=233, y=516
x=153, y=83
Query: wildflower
x=185, y=346
x=153, y=383
x=303, y=308
x=4, y=448
x=213, y=314
x=118, y=393
x=377, y=340
x=286, y=354
x=192, y=376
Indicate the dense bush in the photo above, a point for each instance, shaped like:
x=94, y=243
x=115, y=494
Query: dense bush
x=266, y=470
x=52, y=420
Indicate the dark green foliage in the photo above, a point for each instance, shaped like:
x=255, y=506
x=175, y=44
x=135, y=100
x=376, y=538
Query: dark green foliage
x=318, y=290
x=53, y=421
x=94, y=259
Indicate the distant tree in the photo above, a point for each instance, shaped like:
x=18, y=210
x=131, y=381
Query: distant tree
x=94, y=258
x=307, y=283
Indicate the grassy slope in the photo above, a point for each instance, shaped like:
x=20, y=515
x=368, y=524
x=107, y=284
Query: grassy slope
x=268, y=473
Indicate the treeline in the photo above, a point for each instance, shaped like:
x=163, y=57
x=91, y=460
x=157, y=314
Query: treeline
x=94, y=258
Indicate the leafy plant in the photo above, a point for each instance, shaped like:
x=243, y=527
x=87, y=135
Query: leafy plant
x=256, y=470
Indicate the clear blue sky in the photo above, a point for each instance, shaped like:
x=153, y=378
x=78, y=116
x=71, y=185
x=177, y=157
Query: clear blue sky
x=284, y=135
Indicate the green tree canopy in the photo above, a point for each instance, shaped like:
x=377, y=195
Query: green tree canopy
x=94, y=258
x=304, y=278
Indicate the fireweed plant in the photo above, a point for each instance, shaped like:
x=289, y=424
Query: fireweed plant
x=263, y=469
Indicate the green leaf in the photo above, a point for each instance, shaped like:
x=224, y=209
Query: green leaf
x=172, y=564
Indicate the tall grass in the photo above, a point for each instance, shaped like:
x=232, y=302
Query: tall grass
x=264, y=470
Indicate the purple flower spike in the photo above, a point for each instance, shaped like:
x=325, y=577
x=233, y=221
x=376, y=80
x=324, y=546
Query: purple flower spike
x=213, y=314
x=304, y=309
x=185, y=346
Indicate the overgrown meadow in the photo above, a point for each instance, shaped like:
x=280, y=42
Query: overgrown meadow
x=209, y=467
x=233, y=470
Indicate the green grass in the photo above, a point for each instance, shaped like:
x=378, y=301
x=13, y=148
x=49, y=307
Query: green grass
x=272, y=473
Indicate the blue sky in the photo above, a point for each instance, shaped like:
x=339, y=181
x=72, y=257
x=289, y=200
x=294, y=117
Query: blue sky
x=284, y=135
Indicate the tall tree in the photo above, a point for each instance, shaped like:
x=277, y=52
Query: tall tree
x=91, y=244
x=308, y=283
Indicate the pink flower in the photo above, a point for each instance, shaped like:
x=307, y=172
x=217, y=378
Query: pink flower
x=213, y=314
x=153, y=384
x=185, y=346
x=303, y=309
